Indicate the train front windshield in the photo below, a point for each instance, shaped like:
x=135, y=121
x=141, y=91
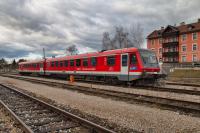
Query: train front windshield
x=148, y=58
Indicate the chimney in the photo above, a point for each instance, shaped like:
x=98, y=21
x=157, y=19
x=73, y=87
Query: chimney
x=182, y=23
x=198, y=20
x=162, y=27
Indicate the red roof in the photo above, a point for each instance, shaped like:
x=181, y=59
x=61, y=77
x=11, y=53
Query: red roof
x=185, y=28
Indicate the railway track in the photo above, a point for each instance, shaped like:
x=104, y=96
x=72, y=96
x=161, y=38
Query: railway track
x=184, y=84
x=7, y=124
x=175, y=89
x=172, y=104
x=36, y=116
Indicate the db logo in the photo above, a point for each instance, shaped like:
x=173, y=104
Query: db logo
x=110, y=69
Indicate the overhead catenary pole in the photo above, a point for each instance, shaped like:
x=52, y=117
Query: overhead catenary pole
x=44, y=57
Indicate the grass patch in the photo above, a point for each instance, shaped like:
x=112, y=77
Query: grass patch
x=185, y=73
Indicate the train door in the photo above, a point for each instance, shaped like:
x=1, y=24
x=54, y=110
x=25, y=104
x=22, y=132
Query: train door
x=124, y=67
x=41, y=68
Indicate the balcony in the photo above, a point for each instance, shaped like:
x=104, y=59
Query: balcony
x=170, y=54
x=170, y=44
x=170, y=61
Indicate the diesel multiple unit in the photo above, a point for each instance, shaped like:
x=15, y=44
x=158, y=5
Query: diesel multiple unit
x=129, y=65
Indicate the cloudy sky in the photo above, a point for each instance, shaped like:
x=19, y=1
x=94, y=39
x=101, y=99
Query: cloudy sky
x=27, y=26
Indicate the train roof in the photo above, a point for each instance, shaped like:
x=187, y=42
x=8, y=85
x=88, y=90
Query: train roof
x=95, y=54
x=86, y=55
x=33, y=61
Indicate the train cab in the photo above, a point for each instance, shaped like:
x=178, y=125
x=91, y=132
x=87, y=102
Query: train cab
x=138, y=64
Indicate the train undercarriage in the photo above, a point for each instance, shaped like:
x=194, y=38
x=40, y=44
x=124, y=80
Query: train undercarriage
x=144, y=80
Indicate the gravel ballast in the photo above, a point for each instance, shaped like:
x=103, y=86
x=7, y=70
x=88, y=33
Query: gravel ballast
x=177, y=96
x=7, y=125
x=137, y=117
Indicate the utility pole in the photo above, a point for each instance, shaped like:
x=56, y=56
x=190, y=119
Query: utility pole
x=44, y=57
x=44, y=64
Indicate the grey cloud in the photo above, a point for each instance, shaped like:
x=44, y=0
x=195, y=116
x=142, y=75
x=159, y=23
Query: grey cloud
x=55, y=25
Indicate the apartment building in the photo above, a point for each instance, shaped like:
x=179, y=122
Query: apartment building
x=176, y=44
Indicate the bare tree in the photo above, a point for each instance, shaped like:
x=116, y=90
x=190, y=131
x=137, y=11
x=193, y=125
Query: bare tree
x=136, y=35
x=14, y=64
x=21, y=60
x=72, y=50
x=120, y=39
x=125, y=37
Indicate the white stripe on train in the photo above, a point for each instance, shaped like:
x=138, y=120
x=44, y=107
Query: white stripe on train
x=85, y=72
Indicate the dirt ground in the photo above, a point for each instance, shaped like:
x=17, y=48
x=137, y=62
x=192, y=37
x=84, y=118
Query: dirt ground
x=133, y=116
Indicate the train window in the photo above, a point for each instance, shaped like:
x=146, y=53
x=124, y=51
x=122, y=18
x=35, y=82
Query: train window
x=52, y=64
x=71, y=62
x=78, y=62
x=85, y=62
x=61, y=63
x=66, y=63
x=133, y=59
x=124, y=60
x=111, y=60
x=56, y=63
x=93, y=61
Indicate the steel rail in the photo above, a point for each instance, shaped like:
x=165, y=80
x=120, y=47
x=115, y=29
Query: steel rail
x=23, y=126
x=94, y=128
x=186, y=106
x=144, y=87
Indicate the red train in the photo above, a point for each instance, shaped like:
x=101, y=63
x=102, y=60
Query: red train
x=128, y=64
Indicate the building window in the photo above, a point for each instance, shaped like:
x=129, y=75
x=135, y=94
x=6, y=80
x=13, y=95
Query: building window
x=174, y=39
x=194, y=47
x=183, y=58
x=174, y=49
x=152, y=42
x=183, y=48
x=160, y=50
x=194, y=36
x=160, y=40
x=194, y=57
x=184, y=37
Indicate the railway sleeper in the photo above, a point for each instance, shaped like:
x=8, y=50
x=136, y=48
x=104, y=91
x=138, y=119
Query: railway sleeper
x=41, y=122
x=57, y=127
x=38, y=116
x=32, y=111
